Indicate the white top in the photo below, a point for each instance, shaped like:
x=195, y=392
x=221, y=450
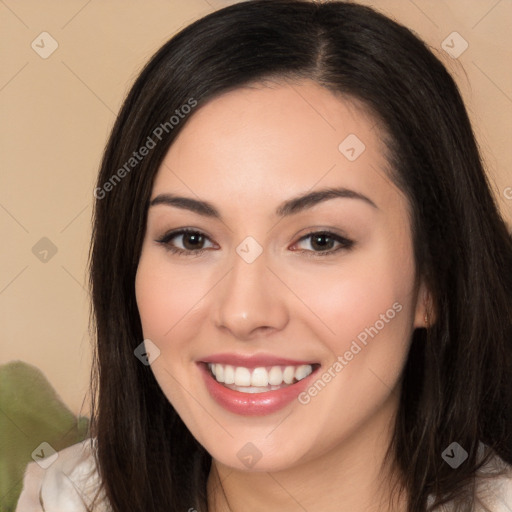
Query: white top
x=72, y=479
x=64, y=485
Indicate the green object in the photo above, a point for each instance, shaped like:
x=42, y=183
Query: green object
x=31, y=413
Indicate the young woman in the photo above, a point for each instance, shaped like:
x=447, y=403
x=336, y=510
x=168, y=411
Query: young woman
x=301, y=282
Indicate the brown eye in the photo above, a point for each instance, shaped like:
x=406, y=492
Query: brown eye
x=192, y=242
x=322, y=243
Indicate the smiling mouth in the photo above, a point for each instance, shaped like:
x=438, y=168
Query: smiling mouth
x=261, y=379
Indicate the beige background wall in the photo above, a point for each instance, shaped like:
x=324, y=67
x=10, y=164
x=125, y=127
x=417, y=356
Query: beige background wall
x=56, y=114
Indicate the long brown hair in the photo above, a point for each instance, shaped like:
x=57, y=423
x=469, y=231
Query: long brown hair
x=456, y=382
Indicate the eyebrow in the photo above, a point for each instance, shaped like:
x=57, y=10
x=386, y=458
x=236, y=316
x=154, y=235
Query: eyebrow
x=289, y=207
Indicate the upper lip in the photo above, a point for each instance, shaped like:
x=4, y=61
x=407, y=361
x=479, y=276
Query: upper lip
x=253, y=361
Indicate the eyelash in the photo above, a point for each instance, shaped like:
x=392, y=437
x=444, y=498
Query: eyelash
x=165, y=240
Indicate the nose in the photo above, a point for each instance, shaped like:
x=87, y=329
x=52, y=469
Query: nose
x=251, y=300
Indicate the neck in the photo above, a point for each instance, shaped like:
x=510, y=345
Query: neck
x=351, y=477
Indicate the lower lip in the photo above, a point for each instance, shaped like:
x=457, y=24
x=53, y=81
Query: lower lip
x=253, y=404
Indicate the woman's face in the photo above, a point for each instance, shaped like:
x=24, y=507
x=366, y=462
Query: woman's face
x=290, y=280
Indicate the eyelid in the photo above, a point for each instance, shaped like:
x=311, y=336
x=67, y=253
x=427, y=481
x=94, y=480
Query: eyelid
x=180, y=231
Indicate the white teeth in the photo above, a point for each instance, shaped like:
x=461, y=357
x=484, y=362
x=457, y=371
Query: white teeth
x=229, y=374
x=288, y=374
x=219, y=372
x=242, y=376
x=258, y=379
x=275, y=376
x=303, y=371
x=251, y=389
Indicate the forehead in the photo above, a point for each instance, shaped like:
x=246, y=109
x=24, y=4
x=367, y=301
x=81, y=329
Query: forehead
x=273, y=139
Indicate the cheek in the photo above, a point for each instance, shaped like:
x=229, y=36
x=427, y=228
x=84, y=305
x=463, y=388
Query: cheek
x=166, y=299
x=365, y=297
x=367, y=310
x=165, y=295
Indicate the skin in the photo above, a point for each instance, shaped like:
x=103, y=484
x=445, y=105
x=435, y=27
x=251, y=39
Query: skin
x=246, y=152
